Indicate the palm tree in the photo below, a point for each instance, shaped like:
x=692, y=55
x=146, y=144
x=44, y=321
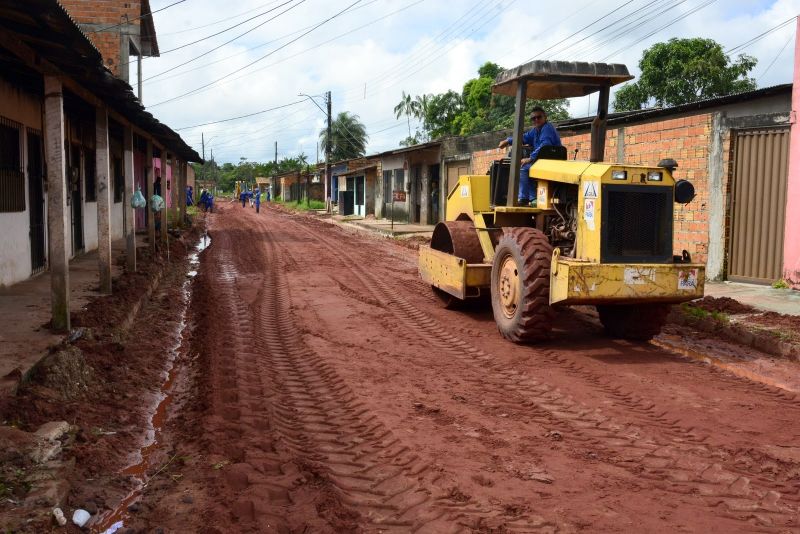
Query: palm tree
x=407, y=107
x=348, y=137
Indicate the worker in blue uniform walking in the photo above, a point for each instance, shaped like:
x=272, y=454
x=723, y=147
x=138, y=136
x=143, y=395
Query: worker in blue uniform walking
x=257, y=199
x=542, y=134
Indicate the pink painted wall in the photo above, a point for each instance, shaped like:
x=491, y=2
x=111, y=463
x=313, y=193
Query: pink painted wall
x=791, y=240
x=166, y=183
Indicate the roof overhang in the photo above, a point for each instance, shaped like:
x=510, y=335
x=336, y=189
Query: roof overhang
x=44, y=39
x=147, y=32
x=560, y=79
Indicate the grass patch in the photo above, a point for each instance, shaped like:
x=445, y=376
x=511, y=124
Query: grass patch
x=700, y=314
x=302, y=205
x=780, y=284
x=695, y=313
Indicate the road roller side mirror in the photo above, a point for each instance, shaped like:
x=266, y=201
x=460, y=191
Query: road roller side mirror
x=684, y=191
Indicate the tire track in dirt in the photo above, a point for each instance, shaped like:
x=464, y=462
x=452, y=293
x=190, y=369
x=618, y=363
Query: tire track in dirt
x=671, y=465
x=322, y=420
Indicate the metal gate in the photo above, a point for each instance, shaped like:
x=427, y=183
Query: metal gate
x=36, y=200
x=758, y=211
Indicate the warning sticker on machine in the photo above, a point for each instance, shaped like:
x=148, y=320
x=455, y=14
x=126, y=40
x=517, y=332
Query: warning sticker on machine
x=590, y=189
x=588, y=212
x=635, y=276
x=687, y=280
x=464, y=191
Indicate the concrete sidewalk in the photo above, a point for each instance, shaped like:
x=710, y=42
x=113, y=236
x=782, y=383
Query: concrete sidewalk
x=25, y=310
x=398, y=229
x=786, y=301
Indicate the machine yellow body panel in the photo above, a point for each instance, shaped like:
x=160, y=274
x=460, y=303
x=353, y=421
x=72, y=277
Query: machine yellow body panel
x=453, y=274
x=577, y=282
x=469, y=196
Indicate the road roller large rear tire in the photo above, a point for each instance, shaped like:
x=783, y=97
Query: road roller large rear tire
x=458, y=238
x=638, y=322
x=521, y=285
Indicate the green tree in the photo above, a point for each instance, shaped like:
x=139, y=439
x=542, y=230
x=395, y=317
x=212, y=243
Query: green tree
x=685, y=70
x=440, y=113
x=408, y=107
x=348, y=137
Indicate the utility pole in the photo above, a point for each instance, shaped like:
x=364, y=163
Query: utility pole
x=276, y=155
x=328, y=177
x=203, y=140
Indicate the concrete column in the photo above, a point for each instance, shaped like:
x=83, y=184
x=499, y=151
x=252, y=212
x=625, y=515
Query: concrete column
x=791, y=232
x=148, y=180
x=183, y=173
x=103, y=170
x=175, y=190
x=425, y=201
x=164, y=194
x=127, y=211
x=57, y=215
x=716, y=202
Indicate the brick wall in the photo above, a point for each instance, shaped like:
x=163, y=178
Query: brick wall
x=685, y=139
x=105, y=13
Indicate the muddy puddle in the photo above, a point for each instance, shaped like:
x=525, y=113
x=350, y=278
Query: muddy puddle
x=113, y=521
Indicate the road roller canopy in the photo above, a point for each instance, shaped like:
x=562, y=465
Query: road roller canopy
x=560, y=79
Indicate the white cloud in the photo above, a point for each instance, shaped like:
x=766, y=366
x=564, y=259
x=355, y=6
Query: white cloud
x=429, y=47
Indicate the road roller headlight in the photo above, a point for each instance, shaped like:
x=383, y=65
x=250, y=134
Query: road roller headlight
x=655, y=176
x=619, y=175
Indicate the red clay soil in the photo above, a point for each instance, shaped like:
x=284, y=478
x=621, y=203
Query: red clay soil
x=325, y=390
x=723, y=305
x=120, y=373
x=786, y=325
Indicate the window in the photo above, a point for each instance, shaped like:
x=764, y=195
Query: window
x=387, y=186
x=399, y=180
x=90, y=177
x=119, y=180
x=12, y=179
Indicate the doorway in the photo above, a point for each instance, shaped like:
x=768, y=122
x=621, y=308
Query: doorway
x=36, y=201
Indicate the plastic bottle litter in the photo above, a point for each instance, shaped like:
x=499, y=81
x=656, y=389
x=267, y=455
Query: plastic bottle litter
x=59, y=515
x=81, y=517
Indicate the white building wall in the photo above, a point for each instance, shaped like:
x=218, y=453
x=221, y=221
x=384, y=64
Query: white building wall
x=89, y=226
x=15, y=248
x=116, y=220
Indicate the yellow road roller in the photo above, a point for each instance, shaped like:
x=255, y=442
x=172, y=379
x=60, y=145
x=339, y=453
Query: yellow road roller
x=600, y=233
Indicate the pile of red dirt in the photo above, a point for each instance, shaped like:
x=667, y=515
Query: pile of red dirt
x=722, y=305
x=778, y=321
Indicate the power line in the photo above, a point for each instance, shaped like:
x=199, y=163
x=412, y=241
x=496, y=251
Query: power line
x=128, y=21
x=604, y=28
x=789, y=40
x=240, y=116
x=670, y=23
x=344, y=34
x=638, y=23
x=230, y=41
x=579, y=31
x=257, y=60
x=226, y=29
x=220, y=21
x=759, y=36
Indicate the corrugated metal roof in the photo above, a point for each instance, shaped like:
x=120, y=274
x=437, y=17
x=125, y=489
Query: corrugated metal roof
x=624, y=117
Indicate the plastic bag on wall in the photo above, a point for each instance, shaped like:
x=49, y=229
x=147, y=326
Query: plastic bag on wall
x=138, y=201
x=156, y=203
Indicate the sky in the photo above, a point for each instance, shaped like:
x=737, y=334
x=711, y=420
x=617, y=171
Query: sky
x=368, y=52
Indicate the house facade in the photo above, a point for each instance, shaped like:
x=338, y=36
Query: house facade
x=74, y=140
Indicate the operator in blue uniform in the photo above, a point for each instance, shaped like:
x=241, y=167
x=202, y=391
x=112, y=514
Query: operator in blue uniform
x=542, y=134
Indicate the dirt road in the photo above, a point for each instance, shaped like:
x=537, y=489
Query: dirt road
x=330, y=393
